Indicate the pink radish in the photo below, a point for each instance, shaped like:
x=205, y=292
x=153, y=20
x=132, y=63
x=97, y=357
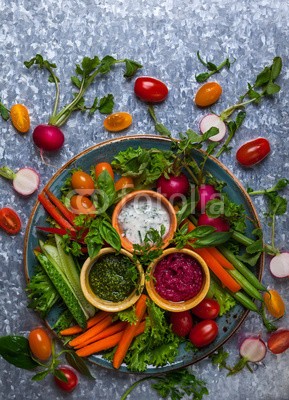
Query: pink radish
x=48, y=137
x=219, y=223
x=25, y=181
x=253, y=349
x=279, y=265
x=206, y=193
x=213, y=121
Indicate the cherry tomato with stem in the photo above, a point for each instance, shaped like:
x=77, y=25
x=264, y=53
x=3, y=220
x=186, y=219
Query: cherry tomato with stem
x=103, y=166
x=208, y=94
x=150, y=90
x=124, y=182
x=9, y=221
x=274, y=303
x=206, y=309
x=71, y=379
x=81, y=205
x=117, y=122
x=253, y=151
x=20, y=118
x=82, y=183
x=204, y=333
x=40, y=344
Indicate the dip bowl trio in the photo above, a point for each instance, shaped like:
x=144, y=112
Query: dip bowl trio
x=113, y=281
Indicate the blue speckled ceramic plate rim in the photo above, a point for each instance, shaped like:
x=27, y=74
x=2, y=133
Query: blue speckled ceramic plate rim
x=154, y=138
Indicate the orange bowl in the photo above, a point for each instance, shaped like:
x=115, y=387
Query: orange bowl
x=180, y=305
x=133, y=200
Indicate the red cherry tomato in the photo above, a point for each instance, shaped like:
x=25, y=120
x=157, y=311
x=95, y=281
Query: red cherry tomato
x=204, y=333
x=182, y=323
x=82, y=183
x=40, y=344
x=278, y=342
x=103, y=166
x=173, y=188
x=71, y=377
x=252, y=152
x=150, y=89
x=207, y=309
x=9, y=221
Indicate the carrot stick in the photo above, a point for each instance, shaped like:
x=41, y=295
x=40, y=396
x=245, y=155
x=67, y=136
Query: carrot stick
x=111, y=330
x=220, y=258
x=54, y=213
x=99, y=327
x=73, y=330
x=61, y=207
x=218, y=270
x=129, y=333
x=108, y=342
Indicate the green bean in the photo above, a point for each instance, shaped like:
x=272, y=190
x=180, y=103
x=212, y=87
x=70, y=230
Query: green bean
x=245, y=284
x=245, y=301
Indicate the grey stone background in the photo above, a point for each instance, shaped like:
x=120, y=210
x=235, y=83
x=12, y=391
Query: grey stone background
x=164, y=37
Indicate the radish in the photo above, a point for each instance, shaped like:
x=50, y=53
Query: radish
x=25, y=181
x=219, y=223
x=48, y=137
x=173, y=188
x=253, y=349
x=206, y=193
x=279, y=265
x=213, y=121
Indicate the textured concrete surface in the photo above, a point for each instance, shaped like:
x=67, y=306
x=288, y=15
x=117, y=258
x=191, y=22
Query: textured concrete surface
x=164, y=37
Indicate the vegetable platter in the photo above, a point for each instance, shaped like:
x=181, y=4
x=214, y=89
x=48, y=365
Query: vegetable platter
x=230, y=321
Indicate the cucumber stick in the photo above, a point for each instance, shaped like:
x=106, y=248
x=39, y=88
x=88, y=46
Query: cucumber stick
x=64, y=289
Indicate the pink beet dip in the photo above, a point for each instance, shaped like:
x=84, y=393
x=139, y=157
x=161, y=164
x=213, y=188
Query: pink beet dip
x=179, y=277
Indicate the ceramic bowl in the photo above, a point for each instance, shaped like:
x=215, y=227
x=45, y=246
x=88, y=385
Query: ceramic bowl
x=96, y=300
x=181, y=305
x=134, y=198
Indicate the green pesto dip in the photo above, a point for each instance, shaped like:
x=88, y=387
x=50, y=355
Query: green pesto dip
x=113, y=277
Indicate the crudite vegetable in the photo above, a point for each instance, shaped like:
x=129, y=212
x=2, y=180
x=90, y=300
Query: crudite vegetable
x=19, y=116
x=25, y=181
x=49, y=137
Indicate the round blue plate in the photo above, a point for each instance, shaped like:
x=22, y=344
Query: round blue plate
x=104, y=152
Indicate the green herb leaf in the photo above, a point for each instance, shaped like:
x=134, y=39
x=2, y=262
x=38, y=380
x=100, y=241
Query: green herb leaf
x=78, y=363
x=106, y=104
x=131, y=67
x=41, y=375
x=4, y=112
x=15, y=350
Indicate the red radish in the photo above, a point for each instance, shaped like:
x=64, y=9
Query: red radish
x=206, y=193
x=219, y=223
x=213, y=121
x=25, y=180
x=173, y=188
x=253, y=349
x=279, y=265
x=48, y=137
x=278, y=341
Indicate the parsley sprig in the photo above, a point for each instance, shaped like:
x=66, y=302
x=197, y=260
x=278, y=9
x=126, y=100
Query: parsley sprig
x=212, y=68
x=85, y=74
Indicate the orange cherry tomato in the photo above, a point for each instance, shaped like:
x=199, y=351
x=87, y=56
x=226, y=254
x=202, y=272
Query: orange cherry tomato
x=117, y=122
x=40, y=344
x=123, y=183
x=208, y=94
x=103, y=166
x=20, y=118
x=81, y=205
x=9, y=221
x=82, y=183
x=274, y=303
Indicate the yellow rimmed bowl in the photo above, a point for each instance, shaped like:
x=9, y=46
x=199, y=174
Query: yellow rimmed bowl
x=179, y=305
x=97, y=301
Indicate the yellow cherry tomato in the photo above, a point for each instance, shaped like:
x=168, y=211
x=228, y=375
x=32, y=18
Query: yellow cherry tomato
x=274, y=303
x=117, y=122
x=40, y=344
x=208, y=94
x=103, y=166
x=20, y=118
x=123, y=183
x=81, y=205
x=82, y=183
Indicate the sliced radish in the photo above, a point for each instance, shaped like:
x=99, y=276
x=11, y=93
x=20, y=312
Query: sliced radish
x=26, y=181
x=213, y=121
x=279, y=265
x=253, y=349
